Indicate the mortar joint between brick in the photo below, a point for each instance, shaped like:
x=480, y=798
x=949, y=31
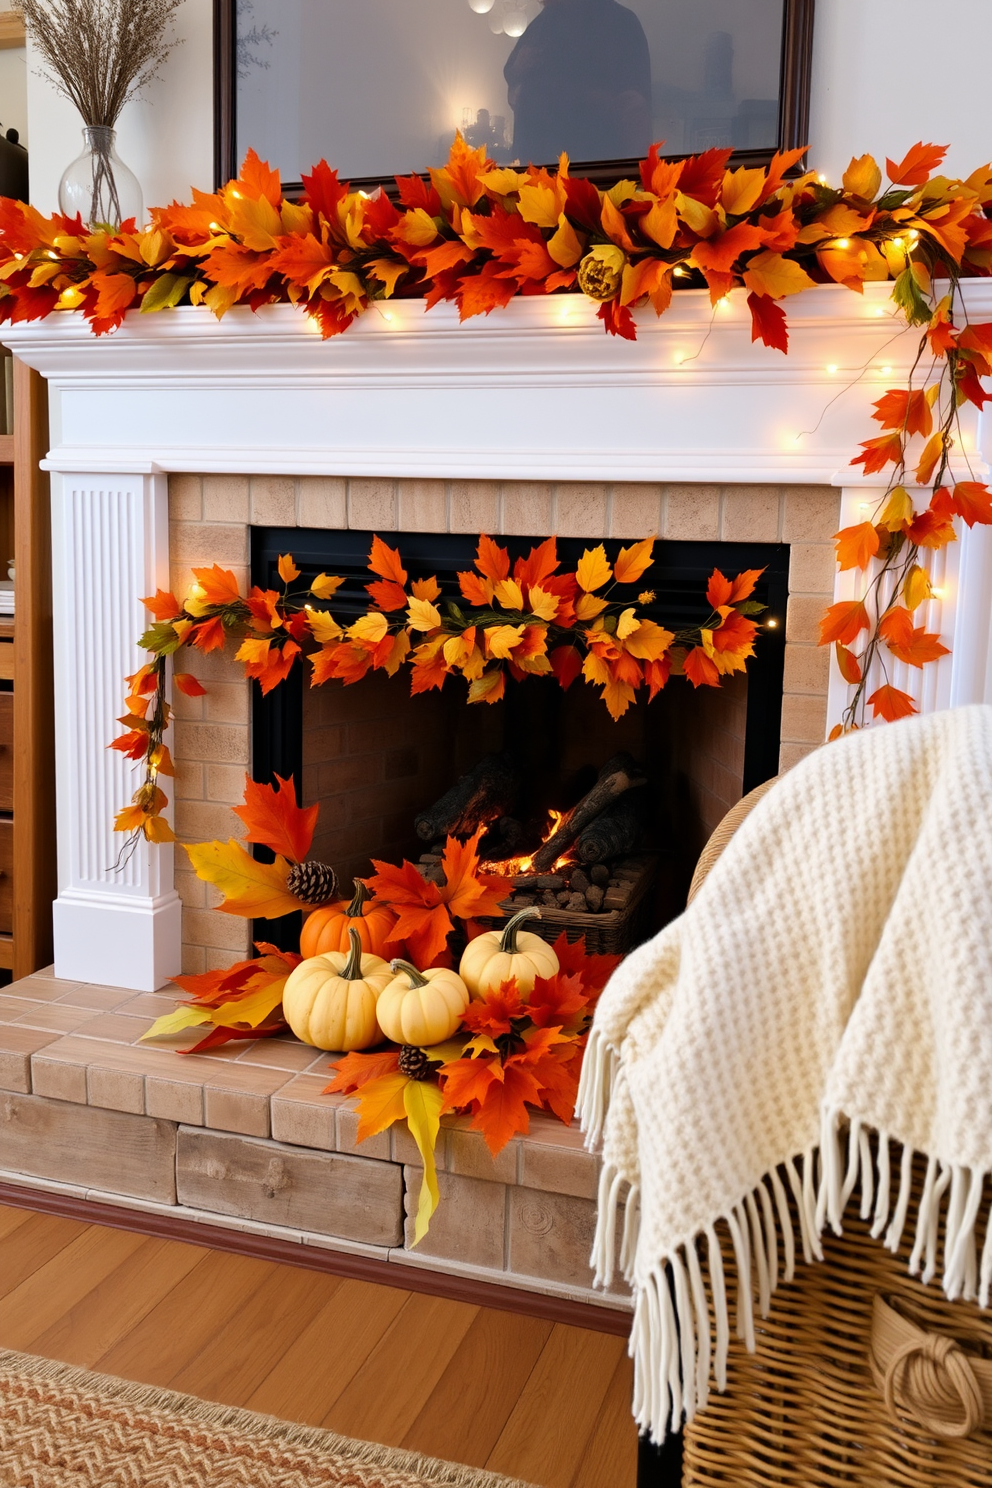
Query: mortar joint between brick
x=608, y=490
x=781, y=512
x=721, y=511
x=554, y=508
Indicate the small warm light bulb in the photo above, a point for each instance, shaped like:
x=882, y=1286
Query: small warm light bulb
x=216, y=227
x=236, y=193
x=843, y=243
x=69, y=299
x=772, y=624
x=865, y=506
x=878, y=312
x=897, y=243
x=679, y=358
x=886, y=371
x=679, y=271
x=937, y=593
x=822, y=179
x=387, y=314
x=832, y=368
x=724, y=303
x=914, y=236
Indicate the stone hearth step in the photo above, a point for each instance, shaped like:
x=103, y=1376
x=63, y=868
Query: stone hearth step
x=244, y=1137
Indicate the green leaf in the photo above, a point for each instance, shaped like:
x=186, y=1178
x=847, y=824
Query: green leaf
x=894, y=198
x=908, y=296
x=423, y=1101
x=166, y=292
x=160, y=638
x=750, y=607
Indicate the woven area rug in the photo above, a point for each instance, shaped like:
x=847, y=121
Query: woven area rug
x=62, y=1427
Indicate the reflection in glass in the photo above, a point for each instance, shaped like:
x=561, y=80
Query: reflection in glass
x=380, y=87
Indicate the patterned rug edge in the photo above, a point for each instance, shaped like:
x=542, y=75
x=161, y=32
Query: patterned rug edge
x=235, y=1418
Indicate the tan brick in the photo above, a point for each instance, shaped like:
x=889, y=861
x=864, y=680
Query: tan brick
x=17, y=1044
x=807, y=668
x=222, y=931
x=423, y=506
x=469, y=1223
x=227, y=783
x=68, y=1143
x=304, y=1116
x=403, y=1149
x=58, y=1080
x=559, y=1167
x=320, y=1191
x=174, y=1100
x=791, y=754
x=751, y=514
x=812, y=513
x=812, y=567
x=468, y=1155
x=551, y=1236
x=322, y=501
x=199, y=821
x=273, y=501
x=347, y=1134
x=191, y=890
x=692, y=513
x=581, y=509
x=185, y=498
x=187, y=708
x=209, y=742
x=193, y=964
x=635, y=510
x=804, y=718
x=115, y=1090
x=372, y=504
x=225, y=498
x=201, y=543
x=188, y=784
x=236, y=1097
x=527, y=508
x=803, y=620
x=474, y=506
x=227, y=702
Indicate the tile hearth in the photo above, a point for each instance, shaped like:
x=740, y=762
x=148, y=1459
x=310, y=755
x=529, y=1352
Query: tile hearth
x=243, y=1137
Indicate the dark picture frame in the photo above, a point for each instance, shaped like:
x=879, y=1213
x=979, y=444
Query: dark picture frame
x=794, y=102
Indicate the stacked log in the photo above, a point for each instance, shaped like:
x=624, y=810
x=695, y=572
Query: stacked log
x=487, y=793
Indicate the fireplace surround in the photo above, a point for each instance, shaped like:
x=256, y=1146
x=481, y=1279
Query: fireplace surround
x=177, y=436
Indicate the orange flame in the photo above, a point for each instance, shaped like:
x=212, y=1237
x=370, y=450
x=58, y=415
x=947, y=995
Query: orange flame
x=514, y=867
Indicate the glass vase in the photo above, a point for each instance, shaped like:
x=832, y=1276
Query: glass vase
x=98, y=185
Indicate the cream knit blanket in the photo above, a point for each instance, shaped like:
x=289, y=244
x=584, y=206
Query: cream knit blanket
x=833, y=977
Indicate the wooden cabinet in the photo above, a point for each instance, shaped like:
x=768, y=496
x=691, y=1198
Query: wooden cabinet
x=27, y=747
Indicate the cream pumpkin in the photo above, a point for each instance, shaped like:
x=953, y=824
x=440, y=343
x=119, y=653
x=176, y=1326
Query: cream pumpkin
x=329, y=1001
x=421, y=1007
x=510, y=954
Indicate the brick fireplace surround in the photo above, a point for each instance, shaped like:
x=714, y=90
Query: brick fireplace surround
x=171, y=440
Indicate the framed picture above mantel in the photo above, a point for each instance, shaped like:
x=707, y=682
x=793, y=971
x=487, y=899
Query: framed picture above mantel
x=379, y=87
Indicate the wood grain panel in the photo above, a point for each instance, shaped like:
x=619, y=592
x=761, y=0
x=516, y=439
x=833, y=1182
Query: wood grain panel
x=55, y=1288
x=6, y=751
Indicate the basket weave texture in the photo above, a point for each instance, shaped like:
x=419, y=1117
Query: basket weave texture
x=806, y=1409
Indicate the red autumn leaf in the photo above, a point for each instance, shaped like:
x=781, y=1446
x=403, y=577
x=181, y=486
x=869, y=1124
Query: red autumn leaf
x=968, y=387
x=718, y=589
x=723, y=591
x=848, y=663
x=735, y=634
x=214, y=988
x=489, y=289
x=559, y=1081
x=208, y=635
x=768, y=322
x=889, y=703
x=720, y=252
x=354, y=1070
x=876, y=453
x=275, y=820
x=656, y=674
x=385, y=562
x=539, y=564
x=224, y=1035
x=303, y=260
x=972, y=501
x=618, y=320
x=219, y=585
x=492, y=561
x=566, y=663
x=323, y=191
x=700, y=670
x=917, y=165
x=274, y=667
x=843, y=622
x=188, y=684
x=422, y=919
x=554, y=1000
x=133, y=744
x=931, y=528
x=901, y=408
x=702, y=175
x=494, y=1013
x=503, y=1113
x=387, y=595
x=163, y=605
x=856, y=546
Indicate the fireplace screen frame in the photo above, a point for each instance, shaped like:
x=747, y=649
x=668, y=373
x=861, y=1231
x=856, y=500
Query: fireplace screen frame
x=679, y=574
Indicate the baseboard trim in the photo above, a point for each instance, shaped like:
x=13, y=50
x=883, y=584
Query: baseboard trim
x=315, y=1258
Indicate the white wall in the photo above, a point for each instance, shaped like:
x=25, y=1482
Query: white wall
x=13, y=88
x=885, y=74
x=165, y=136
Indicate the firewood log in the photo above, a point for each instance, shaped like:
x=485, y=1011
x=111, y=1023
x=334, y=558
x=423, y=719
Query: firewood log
x=607, y=788
x=488, y=791
x=615, y=831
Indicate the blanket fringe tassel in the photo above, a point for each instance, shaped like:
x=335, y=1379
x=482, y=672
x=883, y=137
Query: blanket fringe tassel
x=681, y=1328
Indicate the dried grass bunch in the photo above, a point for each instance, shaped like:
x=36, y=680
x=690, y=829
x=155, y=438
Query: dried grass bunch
x=100, y=53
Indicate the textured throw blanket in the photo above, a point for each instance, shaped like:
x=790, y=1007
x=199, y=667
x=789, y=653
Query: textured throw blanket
x=832, y=979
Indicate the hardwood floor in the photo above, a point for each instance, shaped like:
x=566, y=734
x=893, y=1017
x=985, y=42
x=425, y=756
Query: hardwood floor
x=533, y=1399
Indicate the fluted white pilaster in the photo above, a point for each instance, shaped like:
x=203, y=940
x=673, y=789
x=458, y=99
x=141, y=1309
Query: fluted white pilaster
x=119, y=926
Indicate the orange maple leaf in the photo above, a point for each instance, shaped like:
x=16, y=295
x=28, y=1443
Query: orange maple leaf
x=901, y=408
x=503, y=1112
x=723, y=591
x=259, y=180
x=972, y=501
x=275, y=820
x=388, y=595
x=848, y=663
x=917, y=165
x=932, y=528
x=219, y=585
x=385, y=562
x=856, y=546
x=492, y=561
x=700, y=670
x=355, y=1070
x=555, y=1000
x=468, y=892
x=209, y=635
x=163, y=605
x=889, y=703
x=539, y=564
x=494, y=1013
x=876, y=453
x=188, y=684
x=768, y=322
x=468, y=1081
x=843, y=622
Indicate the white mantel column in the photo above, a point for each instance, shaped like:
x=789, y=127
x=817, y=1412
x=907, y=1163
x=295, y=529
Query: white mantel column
x=118, y=927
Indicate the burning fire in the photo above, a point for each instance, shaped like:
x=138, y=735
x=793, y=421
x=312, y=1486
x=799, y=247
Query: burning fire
x=513, y=867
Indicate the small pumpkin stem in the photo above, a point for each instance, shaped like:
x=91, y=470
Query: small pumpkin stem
x=415, y=977
x=353, y=970
x=356, y=909
x=509, y=941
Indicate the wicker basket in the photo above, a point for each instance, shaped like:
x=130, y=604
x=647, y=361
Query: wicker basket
x=611, y=934
x=806, y=1409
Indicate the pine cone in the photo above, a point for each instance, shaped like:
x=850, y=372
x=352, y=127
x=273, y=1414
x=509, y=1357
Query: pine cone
x=601, y=271
x=414, y=1062
x=313, y=883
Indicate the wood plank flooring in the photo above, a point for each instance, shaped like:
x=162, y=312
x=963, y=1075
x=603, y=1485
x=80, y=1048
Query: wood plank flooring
x=537, y=1400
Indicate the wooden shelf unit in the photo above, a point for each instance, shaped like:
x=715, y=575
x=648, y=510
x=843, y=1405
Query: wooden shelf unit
x=27, y=735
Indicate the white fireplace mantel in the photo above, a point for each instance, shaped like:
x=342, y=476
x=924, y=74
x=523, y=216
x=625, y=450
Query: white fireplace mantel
x=535, y=391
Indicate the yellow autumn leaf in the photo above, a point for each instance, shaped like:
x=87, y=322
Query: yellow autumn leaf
x=540, y=204
x=252, y=889
x=932, y=451
x=380, y=1103
x=129, y=818
x=480, y=1044
x=509, y=594
x=897, y=510
x=371, y=628
x=543, y=604
x=501, y=639
x=595, y=669
x=650, y=641
x=288, y=570
x=323, y=626
x=589, y=606
x=423, y=1101
x=741, y=189
x=253, y=1009
x=428, y=589
x=502, y=182
x=627, y=624
x=324, y=586
x=662, y=222
x=566, y=246
x=456, y=651
x=387, y=271
x=488, y=688
x=633, y=561
x=771, y=274
x=916, y=587
x=618, y=697
x=252, y=650
x=157, y=829
x=700, y=218
x=422, y=615
x=416, y=227
x=172, y=1023
x=398, y=653
x=593, y=570
x=862, y=177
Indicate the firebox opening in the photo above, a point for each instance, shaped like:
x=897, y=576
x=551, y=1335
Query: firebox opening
x=394, y=773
